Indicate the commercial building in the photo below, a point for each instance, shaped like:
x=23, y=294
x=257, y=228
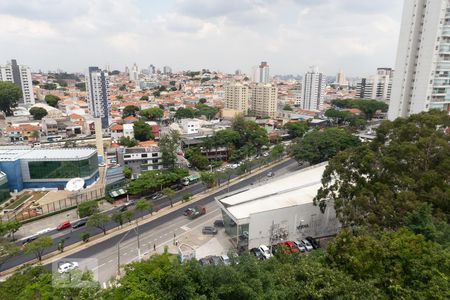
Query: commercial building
x=264, y=100
x=21, y=76
x=237, y=97
x=4, y=189
x=422, y=70
x=278, y=211
x=97, y=89
x=377, y=87
x=313, y=90
x=140, y=159
x=48, y=168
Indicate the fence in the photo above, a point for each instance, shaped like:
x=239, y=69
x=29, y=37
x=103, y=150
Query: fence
x=32, y=211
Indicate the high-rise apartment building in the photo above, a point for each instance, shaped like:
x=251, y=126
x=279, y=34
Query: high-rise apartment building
x=134, y=73
x=167, y=70
x=21, y=76
x=97, y=88
x=151, y=69
x=422, y=71
x=264, y=100
x=313, y=90
x=377, y=87
x=263, y=73
x=237, y=97
x=340, y=78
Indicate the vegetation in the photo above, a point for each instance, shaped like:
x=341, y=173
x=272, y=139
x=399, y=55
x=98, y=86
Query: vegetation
x=49, y=86
x=87, y=208
x=143, y=205
x=407, y=165
x=52, y=100
x=318, y=146
x=144, y=98
x=341, y=117
x=208, y=179
x=38, y=112
x=155, y=180
x=10, y=94
x=169, y=193
x=200, y=110
x=287, y=107
x=296, y=129
x=127, y=172
x=7, y=250
x=168, y=145
x=38, y=246
x=130, y=110
x=142, y=131
x=81, y=86
x=127, y=142
x=98, y=220
x=368, y=107
x=154, y=113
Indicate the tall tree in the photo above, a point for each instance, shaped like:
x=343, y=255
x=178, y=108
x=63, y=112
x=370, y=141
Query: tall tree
x=154, y=113
x=169, y=193
x=168, y=145
x=130, y=110
x=38, y=246
x=142, y=131
x=52, y=100
x=10, y=94
x=142, y=205
x=99, y=220
x=38, y=112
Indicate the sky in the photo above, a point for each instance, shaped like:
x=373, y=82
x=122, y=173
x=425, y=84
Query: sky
x=223, y=35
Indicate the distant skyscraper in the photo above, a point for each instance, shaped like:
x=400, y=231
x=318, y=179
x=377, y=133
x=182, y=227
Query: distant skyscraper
x=377, y=87
x=134, y=74
x=422, y=70
x=236, y=97
x=97, y=88
x=313, y=90
x=127, y=70
x=264, y=100
x=167, y=70
x=263, y=73
x=340, y=78
x=21, y=76
x=151, y=70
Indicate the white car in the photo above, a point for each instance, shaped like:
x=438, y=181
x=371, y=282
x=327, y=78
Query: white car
x=307, y=245
x=265, y=251
x=300, y=246
x=225, y=259
x=265, y=154
x=67, y=266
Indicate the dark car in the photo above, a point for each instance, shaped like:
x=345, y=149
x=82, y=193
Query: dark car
x=215, y=260
x=188, y=211
x=256, y=252
x=218, y=223
x=204, y=261
x=313, y=242
x=79, y=223
x=177, y=186
x=209, y=230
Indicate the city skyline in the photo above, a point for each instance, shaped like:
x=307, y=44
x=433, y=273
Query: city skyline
x=71, y=35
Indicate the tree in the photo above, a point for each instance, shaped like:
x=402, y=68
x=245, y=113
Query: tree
x=142, y=131
x=208, y=111
x=10, y=94
x=154, y=113
x=38, y=112
x=377, y=184
x=118, y=218
x=119, y=97
x=277, y=151
x=38, y=246
x=61, y=246
x=142, y=205
x=7, y=250
x=85, y=236
x=52, y=100
x=169, y=193
x=49, y=86
x=81, y=86
x=202, y=100
x=173, y=82
x=368, y=107
x=168, y=144
x=319, y=146
x=287, y=107
x=186, y=113
x=186, y=196
x=12, y=227
x=127, y=172
x=199, y=161
x=130, y=110
x=151, y=181
x=127, y=142
x=207, y=178
x=296, y=129
x=144, y=98
x=156, y=93
x=99, y=220
x=35, y=82
x=128, y=215
x=87, y=208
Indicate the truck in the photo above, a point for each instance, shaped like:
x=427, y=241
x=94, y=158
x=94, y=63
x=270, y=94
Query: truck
x=196, y=211
x=190, y=179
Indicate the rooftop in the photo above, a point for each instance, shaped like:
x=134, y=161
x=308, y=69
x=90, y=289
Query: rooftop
x=36, y=154
x=294, y=189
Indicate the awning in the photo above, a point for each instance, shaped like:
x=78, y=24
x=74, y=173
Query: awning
x=117, y=192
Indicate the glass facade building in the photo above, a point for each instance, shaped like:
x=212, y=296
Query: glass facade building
x=63, y=169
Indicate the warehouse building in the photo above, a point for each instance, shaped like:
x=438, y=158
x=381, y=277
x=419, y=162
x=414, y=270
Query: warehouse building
x=280, y=210
x=48, y=168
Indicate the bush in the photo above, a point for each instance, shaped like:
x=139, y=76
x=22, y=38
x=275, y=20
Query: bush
x=85, y=236
x=87, y=208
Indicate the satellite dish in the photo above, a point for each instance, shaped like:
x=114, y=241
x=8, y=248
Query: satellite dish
x=75, y=184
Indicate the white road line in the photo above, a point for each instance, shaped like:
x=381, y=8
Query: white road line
x=185, y=228
x=98, y=267
x=125, y=253
x=110, y=260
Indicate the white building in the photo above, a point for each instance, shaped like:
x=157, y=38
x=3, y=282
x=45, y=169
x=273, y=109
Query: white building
x=21, y=76
x=377, y=87
x=237, y=97
x=264, y=100
x=313, y=90
x=128, y=131
x=190, y=126
x=263, y=73
x=280, y=210
x=422, y=78
x=134, y=73
x=97, y=88
x=140, y=159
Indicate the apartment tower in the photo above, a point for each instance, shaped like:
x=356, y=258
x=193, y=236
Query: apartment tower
x=264, y=100
x=97, y=93
x=237, y=97
x=21, y=76
x=313, y=90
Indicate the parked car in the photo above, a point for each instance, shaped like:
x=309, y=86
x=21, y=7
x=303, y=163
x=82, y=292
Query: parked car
x=218, y=223
x=265, y=154
x=156, y=196
x=177, y=186
x=67, y=266
x=215, y=260
x=292, y=247
x=313, y=242
x=300, y=246
x=307, y=245
x=209, y=230
x=257, y=252
x=270, y=174
x=225, y=259
x=204, y=261
x=265, y=251
x=63, y=225
x=79, y=223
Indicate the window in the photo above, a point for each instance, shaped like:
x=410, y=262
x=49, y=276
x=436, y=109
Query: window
x=63, y=169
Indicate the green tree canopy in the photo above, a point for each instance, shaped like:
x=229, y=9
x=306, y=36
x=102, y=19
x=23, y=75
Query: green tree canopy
x=151, y=181
x=168, y=144
x=296, y=129
x=81, y=86
x=38, y=246
x=154, y=113
x=87, y=208
x=52, y=100
x=10, y=94
x=205, y=110
x=127, y=142
x=49, y=86
x=144, y=98
x=130, y=110
x=287, y=107
x=186, y=113
x=368, y=107
x=318, y=146
x=142, y=131
x=99, y=220
x=38, y=112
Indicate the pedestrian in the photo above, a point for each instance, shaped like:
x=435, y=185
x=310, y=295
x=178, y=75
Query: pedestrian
x=154, y=247
x=176, y=243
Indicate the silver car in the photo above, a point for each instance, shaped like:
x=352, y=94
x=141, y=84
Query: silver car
x=307, y=245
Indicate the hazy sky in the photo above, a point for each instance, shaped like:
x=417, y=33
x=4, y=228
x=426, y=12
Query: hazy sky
x=225, y=35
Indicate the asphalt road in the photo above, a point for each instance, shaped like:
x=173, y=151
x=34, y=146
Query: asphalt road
x=73, y=236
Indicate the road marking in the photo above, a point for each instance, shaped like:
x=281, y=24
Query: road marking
x=125, y=253
x=110, y=260
x=98, y=267
x=185, y=228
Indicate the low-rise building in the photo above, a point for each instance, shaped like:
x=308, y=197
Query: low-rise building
x=140, y=159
